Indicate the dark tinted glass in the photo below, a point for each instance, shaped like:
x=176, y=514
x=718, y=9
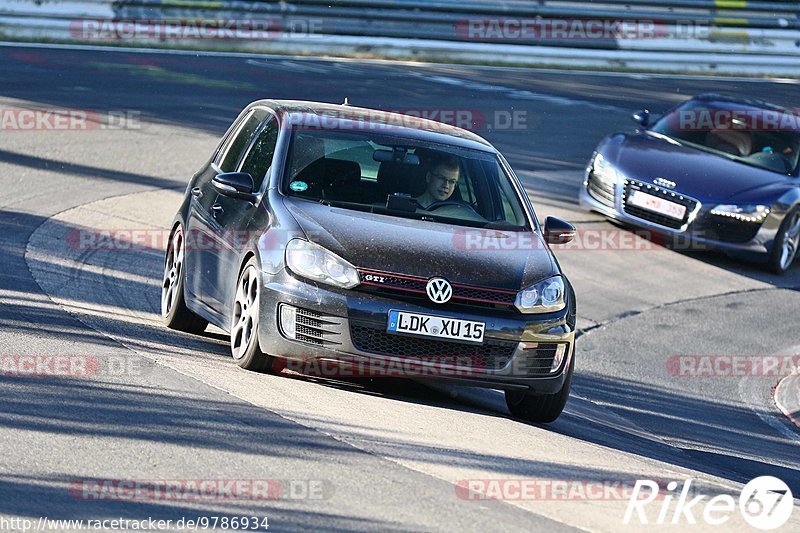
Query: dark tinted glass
x=241, y=139
x=259, y=159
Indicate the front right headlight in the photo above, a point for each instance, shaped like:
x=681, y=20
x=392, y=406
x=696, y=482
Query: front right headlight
x=314, y=262
x=605, y=171
x=745, y=213
x=544, y=297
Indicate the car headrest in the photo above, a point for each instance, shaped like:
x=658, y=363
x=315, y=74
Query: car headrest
x=738, y=143
x=399, y=177
x=313, y=175
x=341, y=173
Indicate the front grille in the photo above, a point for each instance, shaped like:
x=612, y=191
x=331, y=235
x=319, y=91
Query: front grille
x=600, y=191
x=492, y=355
x=315, y=328
x=412, y=288
x=656, y=218
x=727, y=230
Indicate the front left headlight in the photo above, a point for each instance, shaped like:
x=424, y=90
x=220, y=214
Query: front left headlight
x=314, y=262
x=544, y=297
x=744, y=213
x=605, y=171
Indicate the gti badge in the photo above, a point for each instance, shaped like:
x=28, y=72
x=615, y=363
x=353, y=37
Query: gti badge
x=439, y=290
x=663, y=182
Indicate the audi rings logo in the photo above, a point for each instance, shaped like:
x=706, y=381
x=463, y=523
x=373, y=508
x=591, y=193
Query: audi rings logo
x=439, y=290
x=664, y=182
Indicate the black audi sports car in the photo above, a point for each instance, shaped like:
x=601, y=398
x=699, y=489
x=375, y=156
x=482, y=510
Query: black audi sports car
x=319, y=232
x=714, y=171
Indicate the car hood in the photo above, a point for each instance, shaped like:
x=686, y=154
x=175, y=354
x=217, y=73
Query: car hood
x=699, y=174
x=472, y=256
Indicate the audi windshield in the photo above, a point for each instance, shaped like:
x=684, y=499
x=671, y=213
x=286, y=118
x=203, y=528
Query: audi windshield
x=763, y=138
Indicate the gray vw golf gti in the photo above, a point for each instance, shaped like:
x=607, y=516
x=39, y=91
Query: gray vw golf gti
x=377, y=244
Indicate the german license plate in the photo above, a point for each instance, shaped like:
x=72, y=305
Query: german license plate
x=657, y=205
x=435, y=326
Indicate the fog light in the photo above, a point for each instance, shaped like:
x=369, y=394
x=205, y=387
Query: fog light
x=559, y=357
x=288, y=318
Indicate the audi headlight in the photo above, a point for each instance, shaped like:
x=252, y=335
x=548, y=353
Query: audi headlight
x=314, y=262
x=744, y=213
x=543, y=297
x=605, y=171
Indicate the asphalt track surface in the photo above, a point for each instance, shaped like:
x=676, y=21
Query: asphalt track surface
x=381, y=454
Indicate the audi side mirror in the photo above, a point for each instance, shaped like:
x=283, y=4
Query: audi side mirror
x=642, y=117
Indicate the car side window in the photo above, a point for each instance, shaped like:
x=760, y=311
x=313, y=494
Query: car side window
x=241, y=139
x=259, y=159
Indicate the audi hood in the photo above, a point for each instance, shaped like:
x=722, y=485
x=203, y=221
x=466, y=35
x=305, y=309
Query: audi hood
x=696, y=173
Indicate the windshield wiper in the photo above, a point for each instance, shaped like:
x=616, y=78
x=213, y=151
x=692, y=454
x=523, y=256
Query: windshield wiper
x=348, y=205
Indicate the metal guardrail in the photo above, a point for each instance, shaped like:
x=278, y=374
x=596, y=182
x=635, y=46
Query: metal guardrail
x=745, y=29
x=730, y=13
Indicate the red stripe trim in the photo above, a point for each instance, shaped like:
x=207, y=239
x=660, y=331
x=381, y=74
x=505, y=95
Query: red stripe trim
x=423, y=280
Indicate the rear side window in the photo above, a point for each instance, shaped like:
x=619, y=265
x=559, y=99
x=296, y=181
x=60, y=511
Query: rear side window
x=259, y=159
x=240, y=140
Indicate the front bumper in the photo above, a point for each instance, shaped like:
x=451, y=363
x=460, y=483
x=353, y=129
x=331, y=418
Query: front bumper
x=512, y=357
x=697, y=234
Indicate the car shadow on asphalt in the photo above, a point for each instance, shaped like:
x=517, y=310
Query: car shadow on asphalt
x=98, y=419
x=84, y=171
x=694, y=432
x=672, y=417
x=744, y=267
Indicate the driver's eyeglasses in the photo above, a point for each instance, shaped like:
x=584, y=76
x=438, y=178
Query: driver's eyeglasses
x=446, y=179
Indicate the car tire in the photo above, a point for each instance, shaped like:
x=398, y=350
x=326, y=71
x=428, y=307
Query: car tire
x=174, y=312
x=540, y=408
x=245, y=322
x=787, y=241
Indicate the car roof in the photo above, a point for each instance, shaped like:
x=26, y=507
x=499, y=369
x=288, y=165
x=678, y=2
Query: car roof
x=748, y=102
x=397, y=124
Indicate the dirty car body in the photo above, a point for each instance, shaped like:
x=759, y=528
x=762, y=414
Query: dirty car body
x=304, y=237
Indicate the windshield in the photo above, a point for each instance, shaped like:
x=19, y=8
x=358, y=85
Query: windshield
x=763, y=138
x=396, y=176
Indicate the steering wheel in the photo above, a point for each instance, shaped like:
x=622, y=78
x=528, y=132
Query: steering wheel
x=456, y=203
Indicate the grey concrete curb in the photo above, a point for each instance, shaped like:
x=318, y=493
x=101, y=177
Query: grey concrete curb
x=787, y=398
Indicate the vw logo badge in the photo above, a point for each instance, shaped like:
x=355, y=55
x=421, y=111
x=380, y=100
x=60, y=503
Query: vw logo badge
x=439, y=290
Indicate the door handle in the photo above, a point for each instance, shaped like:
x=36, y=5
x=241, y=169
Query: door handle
x=217, y=209
x=197, y=193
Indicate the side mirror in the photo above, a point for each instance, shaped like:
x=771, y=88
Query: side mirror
x=235, y=184
x=557, y=231
x=642, y=117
